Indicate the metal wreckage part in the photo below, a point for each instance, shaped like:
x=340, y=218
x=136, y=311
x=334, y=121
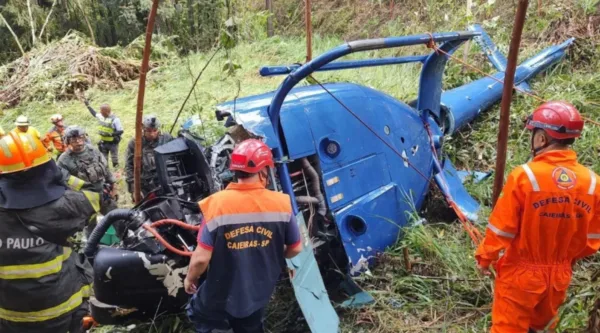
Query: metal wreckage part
x=354, y=161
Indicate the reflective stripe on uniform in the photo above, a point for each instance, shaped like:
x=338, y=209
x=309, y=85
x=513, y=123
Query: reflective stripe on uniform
x=5, y=149
x=35, y=271
x=75, y=183
x=38, y=316
x=593, y=236
x=232, y=219
x=592, y=188
x=532, y=179
x=499, y=232
x=94, y=199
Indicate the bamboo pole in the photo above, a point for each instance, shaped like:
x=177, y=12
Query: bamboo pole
x=32, y=23
x=47, y=19
x=137, y=160
x=87, y=21
x=509, y=78
x=307, y=19
x=13, y=34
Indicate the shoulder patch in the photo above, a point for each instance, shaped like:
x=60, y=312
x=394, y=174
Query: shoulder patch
x=564, y=178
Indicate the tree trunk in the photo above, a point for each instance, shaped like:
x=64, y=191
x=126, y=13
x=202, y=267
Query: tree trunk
x=270, y=18
x=47, y=18
x=31, y=22
x=113, y=29
x=13, y=34
x=87, y=22
x=190, y=8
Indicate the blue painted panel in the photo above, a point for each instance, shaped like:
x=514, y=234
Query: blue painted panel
x=450, y=183
x=354, y=180
x=309, y=288
x=370, y=224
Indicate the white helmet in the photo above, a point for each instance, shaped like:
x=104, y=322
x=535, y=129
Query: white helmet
x=56, y=118
x=22, y=121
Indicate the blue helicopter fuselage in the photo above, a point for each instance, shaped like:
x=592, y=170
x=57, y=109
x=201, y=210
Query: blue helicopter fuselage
x=368, y=188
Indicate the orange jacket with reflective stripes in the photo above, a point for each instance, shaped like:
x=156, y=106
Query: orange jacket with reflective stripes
x=548, y=213
x=54, y=137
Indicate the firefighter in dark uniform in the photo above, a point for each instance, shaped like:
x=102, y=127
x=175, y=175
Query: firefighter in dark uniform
x=44, y=283
x=151, y=139
x=85, y=162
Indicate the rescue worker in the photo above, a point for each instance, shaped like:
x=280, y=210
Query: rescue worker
x=151, y=139
x=545, y=220
x=24, y=126
x=45, y=284
x=246, y=234
x=54, y=138
x=110, y=131
x=85, y=162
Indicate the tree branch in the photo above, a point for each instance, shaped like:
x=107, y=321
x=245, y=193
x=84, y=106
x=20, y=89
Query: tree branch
x=13, y=34
x=31, y=22
x=47, y=19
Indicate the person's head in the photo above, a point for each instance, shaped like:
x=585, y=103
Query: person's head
x=21, y=152
x=57, y=120
x=150, y=126
x=250, y=161
x=554, y=126
x=75, y=138
x=22, y=123
x=105, y=110
x=29, y=177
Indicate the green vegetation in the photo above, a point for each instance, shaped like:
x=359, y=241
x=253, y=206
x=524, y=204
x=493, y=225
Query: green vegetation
x=443, y=292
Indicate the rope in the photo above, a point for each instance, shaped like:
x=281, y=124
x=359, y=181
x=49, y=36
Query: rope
x=473, y=232
x=432, y=45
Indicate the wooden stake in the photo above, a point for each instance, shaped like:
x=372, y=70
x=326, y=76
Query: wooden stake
x=407, y=263
x=137, y=155
x=509, y=79
x=308, y=31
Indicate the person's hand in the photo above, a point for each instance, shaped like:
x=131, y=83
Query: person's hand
x=291, y=273
x=190, y=286
x=484, y=270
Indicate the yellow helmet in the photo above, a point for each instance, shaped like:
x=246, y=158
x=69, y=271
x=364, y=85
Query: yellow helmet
x=21, y=151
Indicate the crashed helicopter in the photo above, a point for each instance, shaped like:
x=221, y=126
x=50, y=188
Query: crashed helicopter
x=354, y=161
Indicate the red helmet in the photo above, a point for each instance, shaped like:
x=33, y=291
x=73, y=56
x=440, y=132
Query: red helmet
x=251, y=156
x=560, y=120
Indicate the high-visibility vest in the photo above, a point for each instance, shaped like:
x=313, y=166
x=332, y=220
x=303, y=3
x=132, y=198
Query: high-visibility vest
x=105, y=128
x=41, y=280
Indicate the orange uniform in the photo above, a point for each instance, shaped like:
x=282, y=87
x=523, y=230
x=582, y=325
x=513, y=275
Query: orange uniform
x=54, y=137
x=546, y=218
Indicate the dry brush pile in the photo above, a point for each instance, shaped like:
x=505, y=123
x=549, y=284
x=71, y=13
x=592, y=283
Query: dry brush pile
x=57, y=70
